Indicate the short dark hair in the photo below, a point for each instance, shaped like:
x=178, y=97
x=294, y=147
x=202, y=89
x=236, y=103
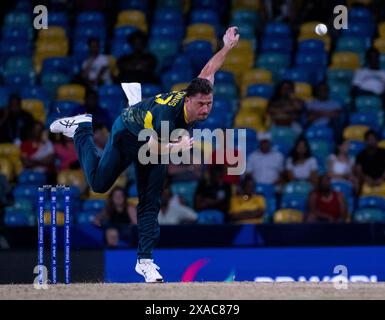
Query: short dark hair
x=199, y=85
x=371, y=133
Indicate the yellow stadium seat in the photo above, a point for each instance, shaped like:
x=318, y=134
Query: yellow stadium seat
x=244, y=46
x=381, y=144
x=113, y=66
x=9, y=150
x=201, y=31
x=308, y=28
x=6, y=168
x=379, y=44
x=133, y=201
x=345, y=60
x=303, y=91
x=378, y=191
x=237, y=64
x=72, y=92
x=254, y=104
x=179, y=86
x=249, y=120
x=355, y=132
x=34, y=107
x=307, y=31
x=381, y=29
x=134, y=18
x=254, y=76
x=246, y=4
x=288, y=216
x=72, y=177
x=49, y=49
x=53, y=33
x=59, y=218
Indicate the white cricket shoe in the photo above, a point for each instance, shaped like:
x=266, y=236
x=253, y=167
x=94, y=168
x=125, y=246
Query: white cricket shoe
x=149, y=270
x=67, y=126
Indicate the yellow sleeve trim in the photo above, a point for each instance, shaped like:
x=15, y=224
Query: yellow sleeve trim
x=148, y=121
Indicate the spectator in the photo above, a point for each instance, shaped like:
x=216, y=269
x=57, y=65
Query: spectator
x=65, y=153
x=5, y=190
x=247, y=207
x=285, y=108
x=15, y=123
x=340, y=165
x=370, y=80
x=37, y=153
x=212, y=192
x=301, y=165
x=96, y=69
x=266, y=165
x=116, y=216
x=91, y=105
x=370, y=163
x=172, y=212
x=323, y=110
x=325, y=204
x=140, y=65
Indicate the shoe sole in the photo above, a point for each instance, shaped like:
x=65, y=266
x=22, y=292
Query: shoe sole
x=141, y=273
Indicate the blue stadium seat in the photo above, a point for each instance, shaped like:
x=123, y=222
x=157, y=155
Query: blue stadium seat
x=84, y=32
x=276, y=44
x=206, y=4
x=4, y=96
x=93, y=205
x=18, y=19
x=90, y=18
x=225, y=90
x=374, y=120
x=355, y=147
x=150, y=90
x=293, y=202
x=120, y=49
x=173, y=17
x=132, y=191
x=260, y=90
x=300, y=189
x=267, y=190
x=275, y=62
x=368, y=103
x=297, y=74
x=278, y=29
x=205, y=16
x=114, y=105
x=15, y=48
x=163, y=49
x=51, y=81
x=346, y=188
x=18, y=219
x=25, y=192
x=59, y=19
x=111, y=90
x=58, y=64
x=19, y=65
x=199, y=53
x=310, y=60
x=371, y=202
x=340, y=76
x=341, y=93
x=352, y=44
x=30, y=177
x=172, y=77
x=311, y=45
x=210, y=217
x=18, y=81
x=121, y=34
x=12, y=34
x=369, y=215
x=246, y=16
x=86, y=217
x=163, y=31
x=65, y=108
x=224, y=77
x=319, y=132
x=360, y=14
x=170, y=4
x=186, y=190
x=141, y=5
x=80, y=50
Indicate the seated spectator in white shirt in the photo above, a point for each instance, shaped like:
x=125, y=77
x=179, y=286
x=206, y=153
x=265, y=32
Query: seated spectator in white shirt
x=370, y=80
x=96, y=69
x=265, y=165
x=301, y=165
x=323, y=110
x=172, y=212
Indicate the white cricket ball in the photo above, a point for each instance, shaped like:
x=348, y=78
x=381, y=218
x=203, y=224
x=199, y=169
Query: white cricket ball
x=321, y=29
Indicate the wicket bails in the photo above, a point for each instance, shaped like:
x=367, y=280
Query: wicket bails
x=53, y=206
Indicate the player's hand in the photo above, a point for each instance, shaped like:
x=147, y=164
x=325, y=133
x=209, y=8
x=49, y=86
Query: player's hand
x=186, y=143
x=231, y=37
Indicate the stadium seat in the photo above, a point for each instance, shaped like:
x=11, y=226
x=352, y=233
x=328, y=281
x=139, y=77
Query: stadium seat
x=267, y=190
x=255, y=76
x=288, y=216
x=346, y=188
x=6, y=168
x=172, y=77
x=18, y=19
x=371, y=202
x=319, y=133
x=278, y=29
x=199, y=53
x=168, y=16
x=260, y=90
x=93, y=205
x=297, y=189
x=276, y=45
x=340, y=75
x=355, y=147
x=303, y=91
x=65, y=108
x=369, y=215
x=368, y=103
x=87, y=217
x=72, y=177
x=246, y=4
x=58, y=19
x=356, y=132
x=18, y=219
x=4, y=96
x=294, y=202
x=134, y=18
x=90, y=17
x=210, y=217
x=186, y=190
x=71, y=92
x=12, y=34
x=18, y=80
x=311, y=46
x=248, y=17
x=19, y=65
x=35, y=108
x=53, y=33
x=297, y=74
x=351, y=44
x=150, y=90
x=372, y=119
x=25, y=192
x=345, y=60
x=246, y=120
x=201, y=31
x=15, y=47
x=379, y=44
x=254, y=104
x=163, y=49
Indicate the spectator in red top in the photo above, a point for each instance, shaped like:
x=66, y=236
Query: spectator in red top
x=325, y=204
x=65, y=152
x=37, y=153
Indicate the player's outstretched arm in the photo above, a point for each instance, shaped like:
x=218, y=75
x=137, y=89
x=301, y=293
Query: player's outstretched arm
x=155, y=147
x=230, y=40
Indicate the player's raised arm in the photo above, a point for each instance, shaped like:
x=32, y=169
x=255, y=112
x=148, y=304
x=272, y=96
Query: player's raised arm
x=230, y=40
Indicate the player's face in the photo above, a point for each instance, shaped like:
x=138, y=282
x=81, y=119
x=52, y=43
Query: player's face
x=199, y=106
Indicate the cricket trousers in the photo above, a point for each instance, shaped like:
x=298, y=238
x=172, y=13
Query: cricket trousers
x=101, y=171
